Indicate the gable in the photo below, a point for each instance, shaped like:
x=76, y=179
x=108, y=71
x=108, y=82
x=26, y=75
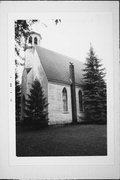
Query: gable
x=56, y=66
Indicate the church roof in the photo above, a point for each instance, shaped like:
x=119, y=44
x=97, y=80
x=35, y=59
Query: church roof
x=56, y=66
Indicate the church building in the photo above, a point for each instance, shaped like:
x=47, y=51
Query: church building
x=60, y=77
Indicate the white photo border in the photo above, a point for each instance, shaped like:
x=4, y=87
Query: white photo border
x=55, y=168
x=85, y=160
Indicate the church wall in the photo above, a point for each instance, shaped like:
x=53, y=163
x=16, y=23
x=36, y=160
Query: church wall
x=27, y=78
x=29, y=59
x=36, y=72
x=32, y=61
x=55, y=107
x=39, y=73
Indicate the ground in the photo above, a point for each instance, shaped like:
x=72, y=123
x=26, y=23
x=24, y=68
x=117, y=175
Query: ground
x=72, y=140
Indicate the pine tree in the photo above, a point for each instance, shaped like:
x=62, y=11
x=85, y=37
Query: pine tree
x=17, y=97
x=94, y=89
x=36, y=107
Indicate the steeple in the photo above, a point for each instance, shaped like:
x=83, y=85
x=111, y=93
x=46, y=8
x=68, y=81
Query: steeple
x=33, y=39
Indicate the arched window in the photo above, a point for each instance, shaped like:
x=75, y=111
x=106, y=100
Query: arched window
x=30, y=40
x=35, y=40
x=80, y=100
x=65, y=103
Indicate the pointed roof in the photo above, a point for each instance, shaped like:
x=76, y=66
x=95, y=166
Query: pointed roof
x=56, y=66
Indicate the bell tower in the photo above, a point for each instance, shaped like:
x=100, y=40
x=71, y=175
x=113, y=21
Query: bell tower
x=33, y=39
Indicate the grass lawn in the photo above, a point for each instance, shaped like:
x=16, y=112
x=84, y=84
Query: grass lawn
x=77, y=140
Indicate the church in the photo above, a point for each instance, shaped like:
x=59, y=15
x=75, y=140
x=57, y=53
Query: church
x=61, y=80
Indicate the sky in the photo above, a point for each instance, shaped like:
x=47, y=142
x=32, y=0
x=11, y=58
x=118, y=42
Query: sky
x=74, y=34
x=72, y=37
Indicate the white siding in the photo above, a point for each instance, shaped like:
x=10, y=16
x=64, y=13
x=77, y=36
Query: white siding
x=55, y=108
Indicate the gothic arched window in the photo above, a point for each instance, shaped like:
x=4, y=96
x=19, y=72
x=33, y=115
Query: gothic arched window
x=35, y=40
x=65, y=103
x=80, y=100
x=30, y=40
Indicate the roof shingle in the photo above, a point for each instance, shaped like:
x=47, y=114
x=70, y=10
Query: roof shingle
x=56, y=66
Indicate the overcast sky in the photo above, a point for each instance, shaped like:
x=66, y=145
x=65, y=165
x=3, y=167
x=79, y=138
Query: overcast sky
x=72, y=37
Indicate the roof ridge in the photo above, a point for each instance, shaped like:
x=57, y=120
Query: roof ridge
x=55, y=52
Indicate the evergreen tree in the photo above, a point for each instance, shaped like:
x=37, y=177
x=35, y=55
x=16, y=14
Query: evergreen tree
x=17, y=97
x=22, y=29
x=36, y=107
x=94, y=89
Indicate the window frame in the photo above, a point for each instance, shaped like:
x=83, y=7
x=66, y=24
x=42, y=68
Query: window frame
x=35, y=40
x=30, y=39
x=65, y=100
